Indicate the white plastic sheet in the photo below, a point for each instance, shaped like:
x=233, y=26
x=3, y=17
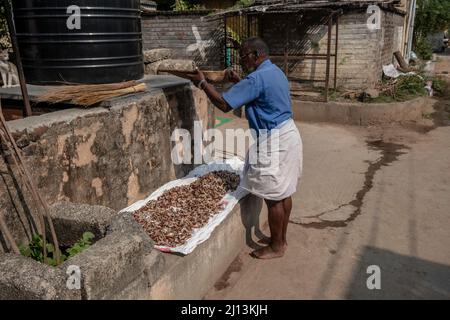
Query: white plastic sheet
x=228, y=202
x=391, y=72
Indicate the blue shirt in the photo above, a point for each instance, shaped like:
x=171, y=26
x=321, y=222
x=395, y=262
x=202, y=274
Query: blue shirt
x=265, y=94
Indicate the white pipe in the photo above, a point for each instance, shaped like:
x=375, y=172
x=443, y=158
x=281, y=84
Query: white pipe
x=411, y=29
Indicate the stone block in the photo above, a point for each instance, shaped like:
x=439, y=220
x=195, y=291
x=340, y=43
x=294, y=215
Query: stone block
x=155, y=266
x=154, y=55
x=111, y=264
x=72, y=220
x=22, y=278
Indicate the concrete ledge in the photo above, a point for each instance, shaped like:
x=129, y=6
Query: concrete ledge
x=192, y=276
x=114, y=267
x=361, y=113
x=111, y=265
x=123, y=264
x=22, y=278
x=72, y=220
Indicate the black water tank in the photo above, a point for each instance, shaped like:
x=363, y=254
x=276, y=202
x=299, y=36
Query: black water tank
x=106, y=48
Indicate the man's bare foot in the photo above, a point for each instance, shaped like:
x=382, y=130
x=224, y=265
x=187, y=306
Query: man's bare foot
x=267, y=241
x=268, y=253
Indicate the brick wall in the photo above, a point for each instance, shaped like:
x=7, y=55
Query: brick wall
x=392, y=37
x=361, y=52
x=176, y=31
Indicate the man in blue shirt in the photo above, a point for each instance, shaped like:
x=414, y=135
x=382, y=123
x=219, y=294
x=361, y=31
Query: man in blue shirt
x=266, y=96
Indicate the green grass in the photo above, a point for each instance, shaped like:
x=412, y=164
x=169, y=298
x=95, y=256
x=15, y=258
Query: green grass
x=382, y=98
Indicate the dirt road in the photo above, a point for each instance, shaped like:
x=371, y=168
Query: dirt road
x=376, y=197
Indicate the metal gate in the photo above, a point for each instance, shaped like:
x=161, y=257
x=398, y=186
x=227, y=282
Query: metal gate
x=237, y=29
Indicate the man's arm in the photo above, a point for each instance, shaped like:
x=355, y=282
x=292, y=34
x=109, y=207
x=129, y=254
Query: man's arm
x=215, y=97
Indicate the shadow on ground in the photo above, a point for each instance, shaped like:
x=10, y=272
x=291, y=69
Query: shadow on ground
x=402, y=277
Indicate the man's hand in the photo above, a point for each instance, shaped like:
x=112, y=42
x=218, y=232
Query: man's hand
x=196, y=77
x=213, y=95
x=233, y=76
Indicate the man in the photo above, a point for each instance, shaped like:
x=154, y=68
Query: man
x=265, y=93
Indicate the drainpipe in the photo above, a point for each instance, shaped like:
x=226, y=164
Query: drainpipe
x=411, y=29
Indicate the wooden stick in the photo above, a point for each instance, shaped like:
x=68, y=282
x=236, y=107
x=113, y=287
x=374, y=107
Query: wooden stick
x=403, y=65
x=8, y=236
x=33, y=190
x=41, y=222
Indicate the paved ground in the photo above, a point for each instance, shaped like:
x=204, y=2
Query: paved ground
x=369, y=196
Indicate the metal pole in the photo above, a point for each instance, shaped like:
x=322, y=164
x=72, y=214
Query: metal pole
x=260, y=25
x=225, y=31
x=23, y=86
x=248, y=26
x=327, y=76
x=336, y=40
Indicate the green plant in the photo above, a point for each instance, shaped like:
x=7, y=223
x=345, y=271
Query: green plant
x=409, y=87
x=431, y=16
x=243, y=4
x=334, y=95
x=423, y=48
x=439, y=85
x=185, y=5
x=5, y=42
x=181, y=5
x=382, y=98
x=34, y=249
x=81, y=245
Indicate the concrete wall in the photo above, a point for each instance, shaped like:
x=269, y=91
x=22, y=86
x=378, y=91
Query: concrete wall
x=189, y=35
x=361, y=52
x=102, y=156
x=122, y=264
x=362, y=113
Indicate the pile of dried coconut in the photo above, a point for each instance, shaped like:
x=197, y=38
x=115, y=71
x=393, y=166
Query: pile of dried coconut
x=171, y=219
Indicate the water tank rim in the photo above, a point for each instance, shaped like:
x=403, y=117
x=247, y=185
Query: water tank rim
x=111, y=65
x=86, y=59
x=82, y=8
x=79, y=34
x=54, y=16
x=81, y=41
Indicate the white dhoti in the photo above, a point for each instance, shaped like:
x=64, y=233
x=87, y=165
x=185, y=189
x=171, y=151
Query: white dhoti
x=273, y=165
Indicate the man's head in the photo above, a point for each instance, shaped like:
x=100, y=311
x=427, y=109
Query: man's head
x=253, y=52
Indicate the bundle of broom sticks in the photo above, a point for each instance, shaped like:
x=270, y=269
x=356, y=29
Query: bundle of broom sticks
x=41, y=205
x=90, y=94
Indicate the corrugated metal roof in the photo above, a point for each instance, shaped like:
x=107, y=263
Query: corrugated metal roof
x=268, y=6
x=268, y=2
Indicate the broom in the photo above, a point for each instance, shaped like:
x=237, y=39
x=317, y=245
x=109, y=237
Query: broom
x=87, y=95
